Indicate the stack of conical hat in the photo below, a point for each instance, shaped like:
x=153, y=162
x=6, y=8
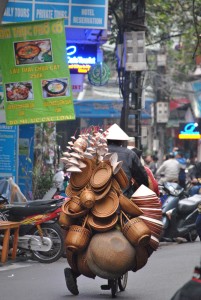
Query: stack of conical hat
x=150, y=204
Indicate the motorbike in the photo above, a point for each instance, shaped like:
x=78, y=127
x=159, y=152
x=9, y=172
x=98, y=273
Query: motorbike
x=40, y=235
x=179, y=214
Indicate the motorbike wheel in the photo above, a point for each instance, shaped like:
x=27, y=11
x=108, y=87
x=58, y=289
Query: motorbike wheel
x=53, y=231
x=122, y=282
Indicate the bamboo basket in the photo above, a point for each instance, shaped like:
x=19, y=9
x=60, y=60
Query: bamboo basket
x=78, y=237
x=136, y=232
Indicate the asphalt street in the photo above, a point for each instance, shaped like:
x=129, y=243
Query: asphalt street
x=170, y=267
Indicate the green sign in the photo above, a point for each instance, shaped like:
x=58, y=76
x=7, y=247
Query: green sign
x=99, y=74
x=36, y=78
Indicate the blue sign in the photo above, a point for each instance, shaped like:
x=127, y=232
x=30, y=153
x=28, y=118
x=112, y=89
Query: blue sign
x=77, y=13
x=190, y=131
x=98, y=108
x=81, y=57
x=26, y=158
x=8, y=152
x=196, y=98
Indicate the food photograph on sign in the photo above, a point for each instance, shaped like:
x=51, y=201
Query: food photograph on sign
x=16, y=91
x=55, y=87
x=33, y=52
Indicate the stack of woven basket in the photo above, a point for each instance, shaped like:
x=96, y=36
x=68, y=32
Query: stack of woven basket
x=107, y=233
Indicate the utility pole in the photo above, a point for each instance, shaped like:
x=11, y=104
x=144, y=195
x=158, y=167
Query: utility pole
x=131, y=71
x=161, y=106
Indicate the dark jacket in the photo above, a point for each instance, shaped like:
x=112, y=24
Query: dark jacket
x=131, y=164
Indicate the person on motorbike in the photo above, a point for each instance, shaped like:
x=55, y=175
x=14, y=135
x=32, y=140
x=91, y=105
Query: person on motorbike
x=182, y=174
x=170, y=168
x=132, y=168
x=196, y=180
x=132, y=165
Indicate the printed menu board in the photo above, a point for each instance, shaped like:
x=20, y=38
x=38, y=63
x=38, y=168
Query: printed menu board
x=36, y=78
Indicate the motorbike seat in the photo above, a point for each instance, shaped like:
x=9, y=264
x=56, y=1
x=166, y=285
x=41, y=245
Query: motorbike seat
x=25, y=211
x=188, y=205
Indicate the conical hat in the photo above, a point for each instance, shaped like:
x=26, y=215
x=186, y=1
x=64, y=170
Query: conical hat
x=143, y=191
x=116, y=133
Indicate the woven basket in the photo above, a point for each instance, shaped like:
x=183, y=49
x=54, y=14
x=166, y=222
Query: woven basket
x=102, y=224
x=110, y=254
x=78, y=237
x=80, y=180
x=122, y=179
x=137, y=232
x=87, y=198
x=65, y=209
x=115, y=186
x=70, y=191
x=100, y=176
x=104, y=192
x=83, y=266
x=107, y=206
x=64, y=220
x=141, y=258
x=75, y=205
x=129, y=207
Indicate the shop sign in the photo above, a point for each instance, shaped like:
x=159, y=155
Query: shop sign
x=77, y=13
x=9, y=151
x=81, y=57
x=26, y=159
x=36, y=78
x=99, y=74
x=77, y=82
x=189, y=131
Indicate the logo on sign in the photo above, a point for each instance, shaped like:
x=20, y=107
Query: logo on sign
x=81, y=58
x=190, y=132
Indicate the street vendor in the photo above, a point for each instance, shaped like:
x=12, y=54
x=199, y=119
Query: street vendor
x=132, y=165
x=133, y=169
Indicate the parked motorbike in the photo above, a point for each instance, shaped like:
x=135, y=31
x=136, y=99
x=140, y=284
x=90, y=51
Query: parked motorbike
x=179, y=214
x=40, y=235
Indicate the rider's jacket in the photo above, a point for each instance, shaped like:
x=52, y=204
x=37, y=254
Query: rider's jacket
x=131, y=164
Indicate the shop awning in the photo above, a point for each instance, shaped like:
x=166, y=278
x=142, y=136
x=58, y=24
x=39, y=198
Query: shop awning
x=106, y=108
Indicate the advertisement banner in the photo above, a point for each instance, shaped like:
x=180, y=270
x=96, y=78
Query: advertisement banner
x=77, y=13
x=36, y=78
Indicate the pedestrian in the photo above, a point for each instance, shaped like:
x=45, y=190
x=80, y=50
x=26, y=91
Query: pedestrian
x=150, y=161
x=170, y=169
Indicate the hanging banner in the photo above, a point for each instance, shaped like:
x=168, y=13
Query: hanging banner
x=36, y=78
x=77, y=13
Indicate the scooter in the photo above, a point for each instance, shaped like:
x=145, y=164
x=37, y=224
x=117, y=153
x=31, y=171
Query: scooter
x=40, y=235
x=179, y=214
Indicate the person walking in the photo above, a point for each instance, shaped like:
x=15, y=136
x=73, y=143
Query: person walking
x=170, y=169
